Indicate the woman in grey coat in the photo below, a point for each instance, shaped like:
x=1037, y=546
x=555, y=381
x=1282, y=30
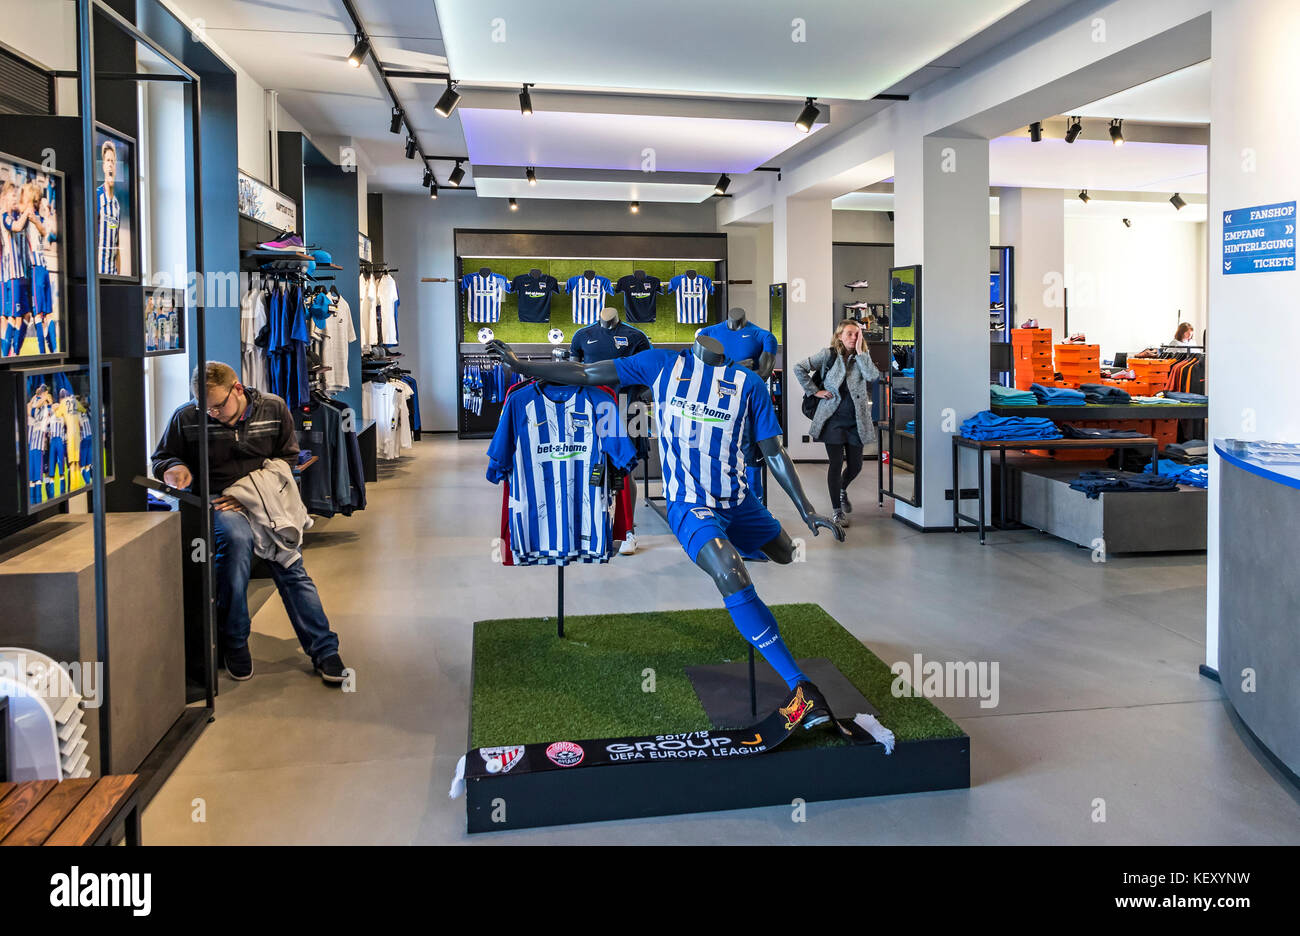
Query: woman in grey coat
x=842, y=377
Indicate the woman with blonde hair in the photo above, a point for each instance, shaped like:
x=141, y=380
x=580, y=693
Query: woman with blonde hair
x=841, y=376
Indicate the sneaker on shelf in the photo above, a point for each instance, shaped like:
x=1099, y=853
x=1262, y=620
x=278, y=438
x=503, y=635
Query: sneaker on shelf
x=841, y=520
x=629, y=545
x=292, y=242
x=239, y=662
x=331, y=669
x=857, y=284
x=1032, y=323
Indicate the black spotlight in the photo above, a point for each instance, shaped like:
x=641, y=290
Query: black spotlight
x=410, y=147
x=433, y=189
x=634, y=207
x=1072, y=132
x=395, y=122
x=359, y=52
x=1036, y=131
x=808, y=116
x=456, y=175
x=1116, y=132
x=447, y=103
x=1177, y=202
x=514, y=205
x=1127, y=223
x=720, y=187
x=525, y=101
x=532, y=175
x=428, y=177
x=1083, y=197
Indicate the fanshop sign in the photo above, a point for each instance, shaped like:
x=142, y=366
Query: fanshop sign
x=1259, y=239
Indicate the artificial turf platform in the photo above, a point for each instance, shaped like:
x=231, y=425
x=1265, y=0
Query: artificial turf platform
x=531, y=686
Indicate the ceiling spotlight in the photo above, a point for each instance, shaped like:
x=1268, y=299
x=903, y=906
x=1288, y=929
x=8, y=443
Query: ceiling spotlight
x=456, y=174
x=1072, y=132
x=395, y=122
x=447, y=103
x=1177, y=202
x=410, y=147
x=1036, y=131
x=808, y=116
x=720, y=187
x=1127, y=223
x=514, y=205
x=634, y=207
x=1116, y=133
x=359, y=52
x=433, y=189
x=1084, y=197
x=525, y=101
x=428, y=177
x=532, y=175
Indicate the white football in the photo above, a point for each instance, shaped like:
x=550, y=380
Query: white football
x=555, y=336
x=485, y=335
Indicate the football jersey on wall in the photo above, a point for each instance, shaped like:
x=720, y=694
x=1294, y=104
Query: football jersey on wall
x=483, y=295
x=588, y=297
x=692, y=298
x=702, y=413
x=547, y=443
x=534, y=294
x=639, y=297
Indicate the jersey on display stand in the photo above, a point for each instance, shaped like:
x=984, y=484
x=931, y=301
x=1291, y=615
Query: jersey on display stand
x=692, y=297
x=588, y=297
x=483, y=295
x=534, y=294
x=742, y=344
x=639, y=297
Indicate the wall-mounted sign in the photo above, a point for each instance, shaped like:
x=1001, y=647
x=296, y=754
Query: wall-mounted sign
x=263, y=203
x=1259, y=239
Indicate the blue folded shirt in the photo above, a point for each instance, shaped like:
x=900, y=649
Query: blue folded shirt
x=1057, y=396
x=985, y=425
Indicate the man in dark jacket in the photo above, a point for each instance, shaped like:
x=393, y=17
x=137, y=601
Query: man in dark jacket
x=244, y=428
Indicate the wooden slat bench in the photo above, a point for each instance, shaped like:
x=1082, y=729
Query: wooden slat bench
x=70, y=812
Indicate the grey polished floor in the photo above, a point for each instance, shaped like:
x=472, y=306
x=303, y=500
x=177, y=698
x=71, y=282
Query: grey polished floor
x=1100, y=709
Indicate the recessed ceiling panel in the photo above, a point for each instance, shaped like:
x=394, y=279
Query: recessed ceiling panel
x=589, y=190
x=832, y=48
x=1093, y=164
x=624, y=141
x=1181, y=97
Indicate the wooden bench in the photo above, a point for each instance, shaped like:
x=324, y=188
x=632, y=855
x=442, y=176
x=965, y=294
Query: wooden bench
x=70, y=812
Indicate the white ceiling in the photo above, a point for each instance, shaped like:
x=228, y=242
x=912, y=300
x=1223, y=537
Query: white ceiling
x=603, y=190
x=1093, y=164
x=1181, y=97
x=850, y=49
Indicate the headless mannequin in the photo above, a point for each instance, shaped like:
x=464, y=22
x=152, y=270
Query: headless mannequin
x=609, y=318
x=691, y=274
x=718, y=557
x=766, y=363
x=535, y=273
x=639, y=274
x=485, y=271
x=589, y=273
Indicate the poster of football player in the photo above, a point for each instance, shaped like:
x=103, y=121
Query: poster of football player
x=31, y=267
x=116, y=251
x=164, y=321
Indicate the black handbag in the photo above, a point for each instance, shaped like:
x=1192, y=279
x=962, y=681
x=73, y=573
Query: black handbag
x=810, y=401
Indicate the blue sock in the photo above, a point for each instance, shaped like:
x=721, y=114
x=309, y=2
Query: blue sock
x=757, y=625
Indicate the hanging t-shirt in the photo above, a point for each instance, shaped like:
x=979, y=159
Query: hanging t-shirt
x=337, y=333
x=483, y=295
x=903, y=298
x=639, y=297
x=534, y=294
x=588, y=297
x=692, y=298
x=252, y=320
x=388, y=300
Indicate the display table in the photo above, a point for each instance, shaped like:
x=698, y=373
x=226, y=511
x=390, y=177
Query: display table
x=1108, y=411
x=1259, y=598
x=71, y=812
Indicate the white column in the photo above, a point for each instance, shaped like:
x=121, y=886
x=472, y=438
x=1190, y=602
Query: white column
x=1032, y=221
x=1254, y=329
x=802, y=244
x=941, y=210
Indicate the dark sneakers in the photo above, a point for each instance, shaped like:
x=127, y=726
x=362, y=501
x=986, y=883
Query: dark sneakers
x=818, y=713
x=844, y=501
x=331, y=670
x=239, y=663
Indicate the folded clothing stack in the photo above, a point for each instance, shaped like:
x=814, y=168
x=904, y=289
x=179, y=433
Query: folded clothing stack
x=911, y=426
x=1193, y=451
x=908, y=371
x=1194, y=475
x=1010, y=396
x=1057, y=396
x=1092, y=432
x=1148, y=400
x=904, y=395
x=984, y=425
x=1104, y=393
x=1187, y=397
x=1093, y=483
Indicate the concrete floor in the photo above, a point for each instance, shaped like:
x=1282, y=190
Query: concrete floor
x=1100, y=697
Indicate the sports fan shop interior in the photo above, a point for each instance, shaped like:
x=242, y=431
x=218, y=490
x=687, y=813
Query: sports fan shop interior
x=887, y=408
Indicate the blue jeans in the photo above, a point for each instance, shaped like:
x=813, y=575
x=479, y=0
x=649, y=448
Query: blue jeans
x=234, y=560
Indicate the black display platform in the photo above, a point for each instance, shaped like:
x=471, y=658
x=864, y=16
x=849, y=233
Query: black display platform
x=663, y=788
x=723, y=690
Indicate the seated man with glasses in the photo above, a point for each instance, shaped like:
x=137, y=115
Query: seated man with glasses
x=244, y=429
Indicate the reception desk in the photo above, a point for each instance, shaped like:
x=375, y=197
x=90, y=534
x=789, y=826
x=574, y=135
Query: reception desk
x=1259, y=597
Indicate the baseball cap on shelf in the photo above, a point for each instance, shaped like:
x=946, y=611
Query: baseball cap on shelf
x=322, y=256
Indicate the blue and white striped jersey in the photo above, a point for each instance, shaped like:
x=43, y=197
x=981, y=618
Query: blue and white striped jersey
x=702, y=413
x=546, y=444
x=483, y=295
x=13, y=248
x=692, y=297
x=108, y=215
x=588, y=297
x=38, y=419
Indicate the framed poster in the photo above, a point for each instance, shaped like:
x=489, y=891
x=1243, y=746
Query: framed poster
x=117, y=245
x=48, y=411
x=259, y=201
x=164, y=321
x=33, y=293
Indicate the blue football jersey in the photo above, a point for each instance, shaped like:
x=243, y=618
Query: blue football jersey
x=588, y=297
x=483, y=295
x=546, y=445
x=534, y=294
x=702, y=413
x=741, y=344
x=692, y=297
